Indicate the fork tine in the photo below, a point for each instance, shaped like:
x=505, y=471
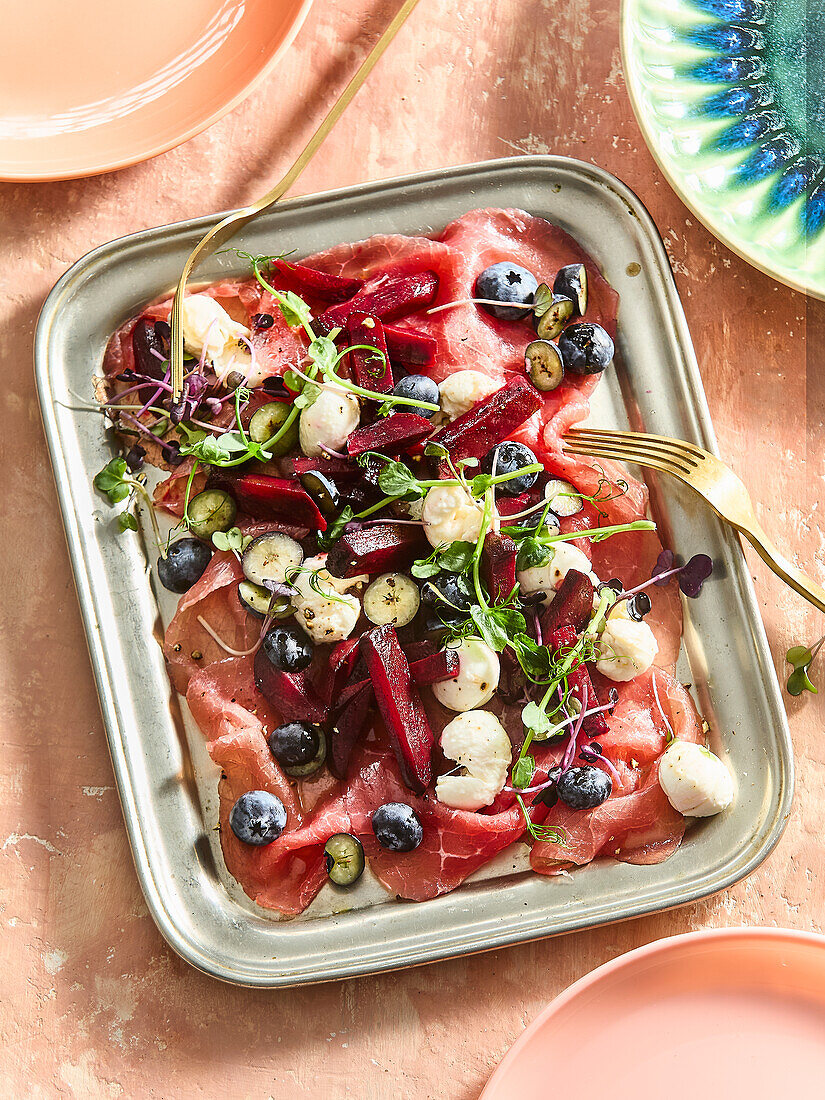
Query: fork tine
x=618, y=453
x=623, y=452
x=686, y=451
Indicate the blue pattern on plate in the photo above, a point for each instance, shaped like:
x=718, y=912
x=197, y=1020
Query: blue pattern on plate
x=771, y=54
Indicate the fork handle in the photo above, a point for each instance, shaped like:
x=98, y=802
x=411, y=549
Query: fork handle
x=788, y=572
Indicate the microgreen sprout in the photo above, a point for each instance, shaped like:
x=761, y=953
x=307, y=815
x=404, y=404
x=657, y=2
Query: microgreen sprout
x=801, y=658
x=116, y=482
x=233, y=539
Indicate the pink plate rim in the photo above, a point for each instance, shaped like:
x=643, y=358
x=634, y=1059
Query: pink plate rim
x=631, y=959
x=101, y=167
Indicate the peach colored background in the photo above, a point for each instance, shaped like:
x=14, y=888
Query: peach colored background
x=94, y=1004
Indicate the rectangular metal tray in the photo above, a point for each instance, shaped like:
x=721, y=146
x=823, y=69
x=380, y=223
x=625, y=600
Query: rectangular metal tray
x=166, y=782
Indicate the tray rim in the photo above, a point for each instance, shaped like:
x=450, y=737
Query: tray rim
x=161, y=913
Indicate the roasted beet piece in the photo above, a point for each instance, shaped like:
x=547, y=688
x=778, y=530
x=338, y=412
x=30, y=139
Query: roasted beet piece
x=499, y=562
x=349, y=723
x=339, y=668
x=417, y=651
x=289, y=693
x=391, y=436
x=563, y=638
x=274, y=498
x=384, y=548
x=435, y=668
x=400, y=705
x=330, y=288
x=393, y=299
x=336, y=468
x=490, y=421
x=407, y=346
x=370, y=369
x=572, y=605
x=150, y=345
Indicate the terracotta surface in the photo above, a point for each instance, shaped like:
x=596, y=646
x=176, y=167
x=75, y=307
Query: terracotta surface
x=94, y=1003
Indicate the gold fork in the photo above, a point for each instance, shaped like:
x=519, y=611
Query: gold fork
x=710, y=478
x=219, y=234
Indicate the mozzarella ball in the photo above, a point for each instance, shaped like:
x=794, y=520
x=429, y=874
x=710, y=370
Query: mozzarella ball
x=627, y=648
x=695, y=780
x=460, y=391
x=478, y=742
x=329, y=421
x=547, y=578
x=451, y=515
x=206, y=322
x=324, y=607
x=477, y=679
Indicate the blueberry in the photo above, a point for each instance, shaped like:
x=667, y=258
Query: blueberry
x=258, y=818
x=344, y=857
x=448, y=592
x=184, y=564
x=295, y=743
x=397, y=827
x=418, y=387
x=585, y=348
x=288, y=648
x=584, y=788
x=508, y=457
x=638, y=606
x=505, y=282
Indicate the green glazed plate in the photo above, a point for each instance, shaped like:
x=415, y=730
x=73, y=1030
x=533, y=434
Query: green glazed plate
x=730, y=97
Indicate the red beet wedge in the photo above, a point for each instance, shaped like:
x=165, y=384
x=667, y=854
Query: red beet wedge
x=407, y=346
x=330, y=288
x=393, y=299
x=370, y=368
x=289, y=693
x=274, y=498
x=385, y=548
x=339, y=668
x=496, y=418
x=336, y=468
x=499, y=563
x=391, y=436
x=563, y=638
x=572, y=605
x=435, y=668
x=400, y=705
x=347, y=726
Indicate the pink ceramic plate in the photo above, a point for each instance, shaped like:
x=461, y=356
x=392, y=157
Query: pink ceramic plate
x=733, y=1013
x=93, y=85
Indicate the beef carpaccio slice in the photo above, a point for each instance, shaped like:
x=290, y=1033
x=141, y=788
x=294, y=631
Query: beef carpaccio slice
x=637, y=823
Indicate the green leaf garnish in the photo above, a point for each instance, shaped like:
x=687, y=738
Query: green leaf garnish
x=113, y=481
x=233, y=540
x=532, y=553
x=127, y=522
x=542, y=300
x=524, y=771
x=801, y=658
x=335, y=529
x=455, y=558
